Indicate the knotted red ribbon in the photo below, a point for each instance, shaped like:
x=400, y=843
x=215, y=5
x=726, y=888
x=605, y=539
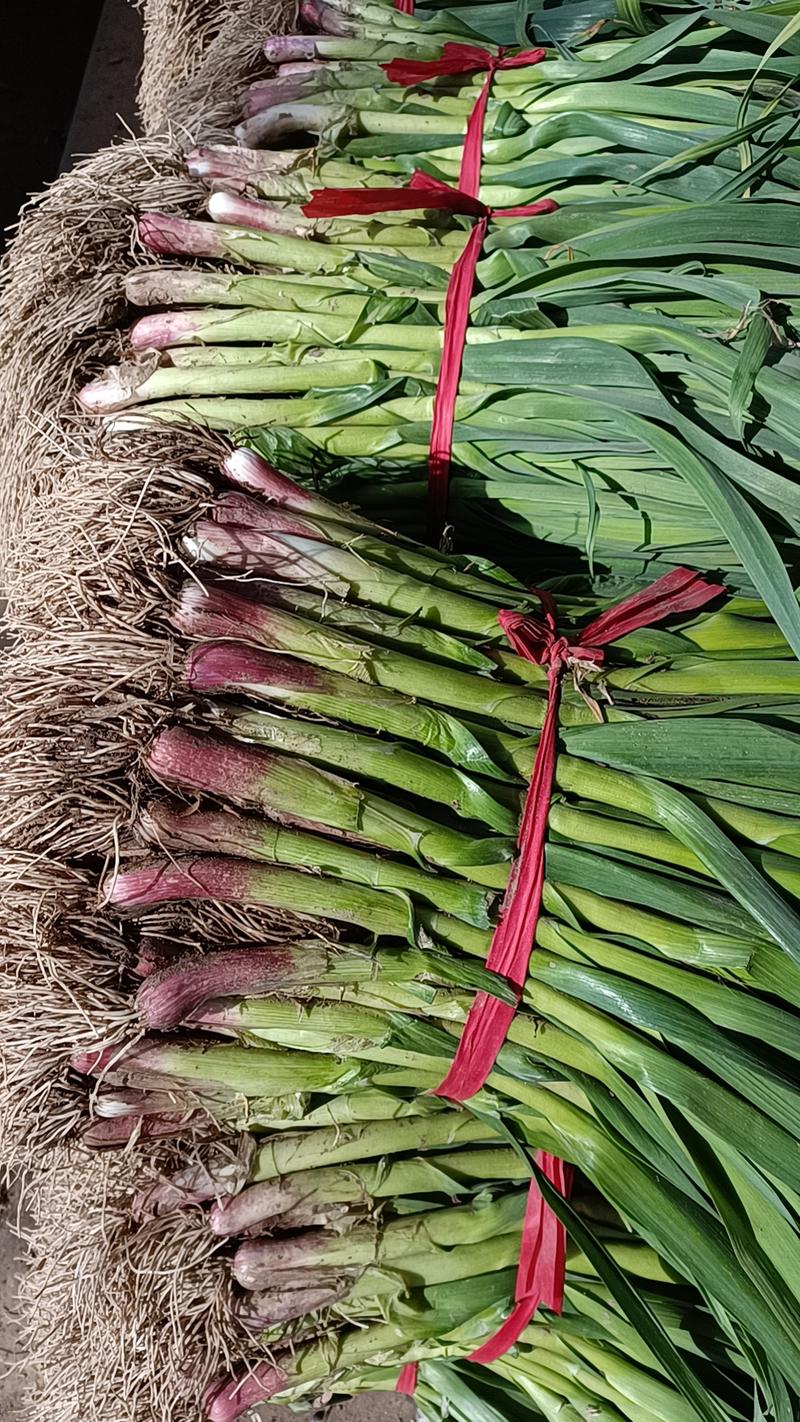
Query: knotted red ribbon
x=540, y=1276
x=464, y=59
x=425, y=192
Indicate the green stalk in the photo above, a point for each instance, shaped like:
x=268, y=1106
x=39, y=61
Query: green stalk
x=349, y=571
x=306, y=1196
x=215, y=612
x=625, y=792
x=116, y=390
x=374, y=624
x=357, y=1107
x=239, y=1069
x=738, y=1012
x=693, y=676
x=217, y=879
x=389, y=762
x=336, y=696
x=688, y=1238
x=296, y=791
x=324, y=522
x=759, y=1138
x=759, y=963
x=660, y=845
x=367, y=1243
x=289, y=1154
x=251, y=837
x=173, y=286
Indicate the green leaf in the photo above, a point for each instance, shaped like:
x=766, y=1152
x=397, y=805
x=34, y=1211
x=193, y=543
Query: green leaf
x=633, y=1305
x=593, y=518
x=694, y=828
x=754, y=352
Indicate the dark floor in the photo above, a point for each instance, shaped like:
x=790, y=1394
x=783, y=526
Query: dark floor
x=52, y=106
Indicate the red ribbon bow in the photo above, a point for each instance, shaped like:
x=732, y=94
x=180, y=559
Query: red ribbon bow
x=540, y=1277
x=538, y=640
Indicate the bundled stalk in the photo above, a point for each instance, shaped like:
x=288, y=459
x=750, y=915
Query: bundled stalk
x=612, y=399
x=660, y=1010
x=354, y=736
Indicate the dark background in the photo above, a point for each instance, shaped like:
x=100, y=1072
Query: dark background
x=67, y=86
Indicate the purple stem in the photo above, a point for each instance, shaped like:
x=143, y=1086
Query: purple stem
x=169, y=236
x=283, y=49
x=200, y=762
x=162, y=329
x=260, y=216
x=228, y=666
x=247, y=469
x=190, y=878
x=112, y=1132
x=170, y=997
x=242, y=549
x=243, y=511
x=230, y=1396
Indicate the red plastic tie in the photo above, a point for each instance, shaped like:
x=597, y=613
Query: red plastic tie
x=541, y=1265
x=426, y=192
x=464, y=59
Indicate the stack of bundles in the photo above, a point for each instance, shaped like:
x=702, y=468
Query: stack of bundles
x=629, y=381
x=357, y=732
x=354, y=747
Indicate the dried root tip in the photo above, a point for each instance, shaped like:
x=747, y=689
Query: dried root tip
x=271, y=1204
x=162, y=329
x=285, y=87
x=121, y=1320
x=154, y=957
x=327, y=19
x=120, y=386
x=291, y=1296
x=96, y=1060
x=106, y=394
x=256, y=1262
x=228, y=1397
x=237, y=168
x=221, y=1172
x=164, y=1199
